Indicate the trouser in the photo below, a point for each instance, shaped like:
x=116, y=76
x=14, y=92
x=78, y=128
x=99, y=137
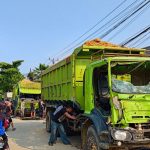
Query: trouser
x=41, y=112
x=32, y=113
x=10, y=119
x=53, y=136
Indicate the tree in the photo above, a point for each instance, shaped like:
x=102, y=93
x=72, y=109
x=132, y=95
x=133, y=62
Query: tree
x=35, y=75
x=9, y=75
x=31, y=75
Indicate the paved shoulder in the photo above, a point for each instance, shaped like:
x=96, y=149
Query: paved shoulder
x=31, y=135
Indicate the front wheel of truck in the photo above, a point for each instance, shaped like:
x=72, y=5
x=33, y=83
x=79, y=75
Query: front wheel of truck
x=92, y=142
x=48, y=122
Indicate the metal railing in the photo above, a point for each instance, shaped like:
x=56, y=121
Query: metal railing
x=104, y=53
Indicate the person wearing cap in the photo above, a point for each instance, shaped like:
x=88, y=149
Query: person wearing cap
x=57, y=118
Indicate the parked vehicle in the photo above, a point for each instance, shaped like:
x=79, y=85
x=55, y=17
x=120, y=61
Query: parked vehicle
x=3, y=144
x=109, y=87
x=28, y=91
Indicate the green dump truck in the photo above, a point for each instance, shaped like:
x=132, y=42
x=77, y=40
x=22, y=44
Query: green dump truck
x=26, y=90
x=109, y=88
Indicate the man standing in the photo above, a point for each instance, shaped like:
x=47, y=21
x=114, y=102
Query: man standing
x=32, y=108
x=22, y=107
x=41, y=108
x=56, y=124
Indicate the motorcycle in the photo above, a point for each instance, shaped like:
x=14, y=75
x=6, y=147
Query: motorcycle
x=3, y=144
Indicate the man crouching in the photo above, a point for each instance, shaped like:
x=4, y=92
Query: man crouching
x=56, y=124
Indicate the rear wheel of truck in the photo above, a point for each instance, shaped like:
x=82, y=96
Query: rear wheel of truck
x=92, y=142
x=48, y=122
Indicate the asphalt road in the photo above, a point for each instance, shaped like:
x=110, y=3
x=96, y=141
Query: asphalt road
x=31, y=135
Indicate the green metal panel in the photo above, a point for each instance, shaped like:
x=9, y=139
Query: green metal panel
x=57, y=81
x=30, y=91
x=89, y=92
x=80, y=65
x=136, y=111
x=26, y=87
x=64, y=80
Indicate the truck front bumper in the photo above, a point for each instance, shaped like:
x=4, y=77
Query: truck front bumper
x=128, y=146
x=125, y=146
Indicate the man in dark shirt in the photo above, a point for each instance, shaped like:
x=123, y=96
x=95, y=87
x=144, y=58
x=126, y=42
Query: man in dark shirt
x=56, y=124
x=41, y=108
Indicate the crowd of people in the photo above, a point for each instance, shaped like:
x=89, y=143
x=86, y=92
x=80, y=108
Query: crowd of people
x=57, y=117
x=6, y=112
x=34, y=112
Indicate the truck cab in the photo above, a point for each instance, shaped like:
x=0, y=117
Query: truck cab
x=117, y=102
x=26, y=91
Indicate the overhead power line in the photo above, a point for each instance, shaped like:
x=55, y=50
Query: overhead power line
x=144, y=40
x=129, y=23
x=139, y=40
x=130, y=8
x=116, y=18
x=131, y=11
x=100, y=21
x=136, y=36
x=123, y=20
x=116, y=21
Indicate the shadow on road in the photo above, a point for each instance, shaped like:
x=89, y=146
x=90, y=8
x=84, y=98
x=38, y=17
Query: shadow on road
x=31, y=134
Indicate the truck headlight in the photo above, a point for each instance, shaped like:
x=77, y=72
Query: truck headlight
x=121, y=135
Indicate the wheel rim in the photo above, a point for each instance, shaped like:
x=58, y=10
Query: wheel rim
x=92, y=145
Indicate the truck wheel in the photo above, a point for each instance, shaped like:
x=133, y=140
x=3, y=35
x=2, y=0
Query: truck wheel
x=48, y=122
x=68, y=131
x=92, y=139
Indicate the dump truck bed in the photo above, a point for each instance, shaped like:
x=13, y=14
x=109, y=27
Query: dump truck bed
x=64, y=80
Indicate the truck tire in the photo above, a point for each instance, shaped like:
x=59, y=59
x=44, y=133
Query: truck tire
x=92, y=141
x=48, y=122
x=68, y=131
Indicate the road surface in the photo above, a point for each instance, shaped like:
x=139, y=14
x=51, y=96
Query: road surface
x=31, y=135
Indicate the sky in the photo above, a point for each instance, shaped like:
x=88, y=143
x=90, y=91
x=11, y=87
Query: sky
x=36, y=30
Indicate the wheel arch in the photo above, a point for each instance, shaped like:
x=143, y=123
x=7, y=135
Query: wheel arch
x=97, y=122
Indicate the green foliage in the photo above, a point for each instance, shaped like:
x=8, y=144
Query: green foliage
x=35, y=75
x=17, y=63
x=9, y=75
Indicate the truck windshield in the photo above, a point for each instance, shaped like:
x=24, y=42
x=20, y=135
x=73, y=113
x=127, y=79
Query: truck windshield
x=131, y=77
x=127, y=87
x=30, y=96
